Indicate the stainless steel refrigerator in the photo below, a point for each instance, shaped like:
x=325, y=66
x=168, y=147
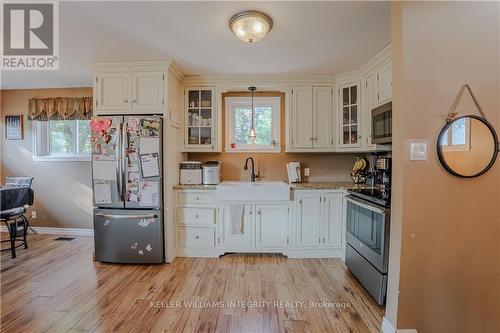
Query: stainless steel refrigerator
x=127, y=188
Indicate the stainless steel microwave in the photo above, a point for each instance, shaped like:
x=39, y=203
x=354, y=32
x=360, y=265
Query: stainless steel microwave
x=382, y=123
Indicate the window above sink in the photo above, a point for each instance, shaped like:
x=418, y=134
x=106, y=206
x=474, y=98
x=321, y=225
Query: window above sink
x=238, y=115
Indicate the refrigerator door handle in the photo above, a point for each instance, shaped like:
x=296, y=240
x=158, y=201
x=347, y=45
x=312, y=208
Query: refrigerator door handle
x=124, y=147
x=123, y=216
x=119, y=165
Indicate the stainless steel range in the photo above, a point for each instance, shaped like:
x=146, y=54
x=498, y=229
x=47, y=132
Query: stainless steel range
x=367, y=250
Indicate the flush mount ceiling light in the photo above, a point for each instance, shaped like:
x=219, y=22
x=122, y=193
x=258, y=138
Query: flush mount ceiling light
x=250, y=25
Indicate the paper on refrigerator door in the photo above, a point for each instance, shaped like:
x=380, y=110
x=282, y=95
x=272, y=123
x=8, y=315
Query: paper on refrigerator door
x=148, y=193
x=102, y=192
x=150, y=165
x=104, y=170
x=149, y=145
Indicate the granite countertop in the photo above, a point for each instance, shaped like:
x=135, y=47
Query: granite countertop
x=194, y=187
x=329, y=186
x=294, y=186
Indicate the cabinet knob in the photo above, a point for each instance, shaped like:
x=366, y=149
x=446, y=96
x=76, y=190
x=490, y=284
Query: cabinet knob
x=197, y=216
x=125, y=100
x=300, y=201
x=259, y=212
x=196, y=237
x=133, y=101
x=197, y=198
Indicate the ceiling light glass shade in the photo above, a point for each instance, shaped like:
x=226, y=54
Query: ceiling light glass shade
x=250, y=25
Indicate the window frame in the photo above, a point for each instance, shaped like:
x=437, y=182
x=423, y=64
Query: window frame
x=449, y=137
x=230, y=102
x=41, y=144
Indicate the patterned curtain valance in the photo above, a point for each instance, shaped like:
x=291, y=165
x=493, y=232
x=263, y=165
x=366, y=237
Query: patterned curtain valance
x=60, y=108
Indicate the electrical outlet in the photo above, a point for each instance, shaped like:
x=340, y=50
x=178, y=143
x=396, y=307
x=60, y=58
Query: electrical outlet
x=306, y=172
x=33, y=214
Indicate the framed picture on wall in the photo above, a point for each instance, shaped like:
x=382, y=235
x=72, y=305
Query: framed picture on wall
x=14, y=127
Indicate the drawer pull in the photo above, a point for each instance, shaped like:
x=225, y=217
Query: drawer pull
x=197, y=216
x=197, y=198
x=196, y=237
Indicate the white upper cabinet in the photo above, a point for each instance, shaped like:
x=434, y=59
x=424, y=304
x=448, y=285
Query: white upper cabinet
x=350, y=115
x=384, y=83
x=322, y=118
x=128, y=88
x=376, y=91
x=312, y=118
x=368, y=105
x=200, y=119
x=147, y=92
x=112, y=92
x=302, y=117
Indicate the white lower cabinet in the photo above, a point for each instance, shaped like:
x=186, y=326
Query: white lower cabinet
x=309, y=226
x=308, y=220
x=319, y=219
x=235, y=226
x=333, y=214
x=271, y=223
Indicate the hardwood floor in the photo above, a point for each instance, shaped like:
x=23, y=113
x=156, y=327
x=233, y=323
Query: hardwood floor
x=54, y=286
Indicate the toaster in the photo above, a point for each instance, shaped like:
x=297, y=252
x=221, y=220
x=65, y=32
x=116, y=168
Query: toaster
x=190, y=173
x=211, y=172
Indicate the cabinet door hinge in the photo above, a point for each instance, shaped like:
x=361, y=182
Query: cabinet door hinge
x=377, y=76
x=292, y=91
x=319, y=240
x=162, y=101
x=218, y=240
x=97, y=79
x=288, y=240
x=378, y=97
x=366, y=84
x=163, y=77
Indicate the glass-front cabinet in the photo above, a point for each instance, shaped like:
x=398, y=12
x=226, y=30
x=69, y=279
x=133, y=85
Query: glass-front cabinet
x=200, y=119
x=350, y=115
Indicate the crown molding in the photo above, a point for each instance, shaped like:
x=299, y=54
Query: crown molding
x=127, y=65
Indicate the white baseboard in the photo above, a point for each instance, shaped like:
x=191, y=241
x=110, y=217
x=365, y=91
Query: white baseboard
x=59, y=231
x=387, y=327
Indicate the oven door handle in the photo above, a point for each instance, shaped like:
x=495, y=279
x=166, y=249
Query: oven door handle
x=367, y=206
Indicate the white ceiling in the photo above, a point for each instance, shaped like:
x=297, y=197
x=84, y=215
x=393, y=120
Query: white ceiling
x=308, y=38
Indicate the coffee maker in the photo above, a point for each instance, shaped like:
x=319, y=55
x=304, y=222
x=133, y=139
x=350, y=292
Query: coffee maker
x=379, y=171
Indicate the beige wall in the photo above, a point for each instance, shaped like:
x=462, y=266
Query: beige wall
x=450, y=252
x=63, y=196
x=323, y=166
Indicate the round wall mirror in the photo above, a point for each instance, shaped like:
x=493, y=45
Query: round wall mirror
x=467, y=146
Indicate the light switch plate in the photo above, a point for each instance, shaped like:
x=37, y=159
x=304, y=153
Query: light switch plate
x=418, y=151
x=306, y=172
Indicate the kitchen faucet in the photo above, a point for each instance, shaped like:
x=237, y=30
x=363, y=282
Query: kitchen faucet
x=253, y=176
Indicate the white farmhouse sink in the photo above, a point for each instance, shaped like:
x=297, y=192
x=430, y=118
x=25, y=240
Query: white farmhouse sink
x=230, y=191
